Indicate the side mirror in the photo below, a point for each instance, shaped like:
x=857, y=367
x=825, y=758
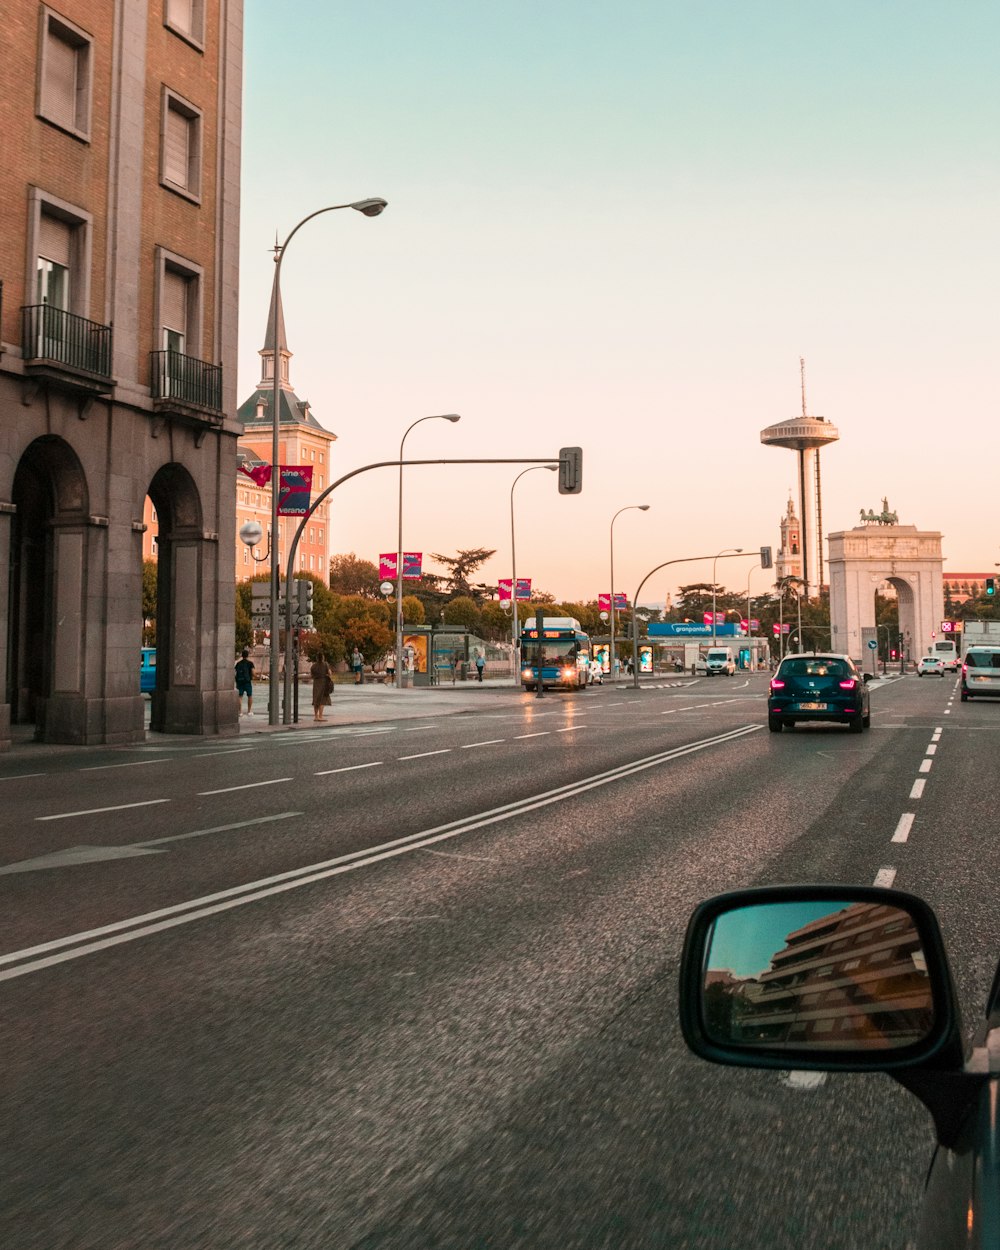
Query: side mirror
x=836, y=978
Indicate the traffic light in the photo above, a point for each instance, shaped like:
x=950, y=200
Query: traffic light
x=991, y=585
x=304, y=603
x=765, y=557
x=570, y=470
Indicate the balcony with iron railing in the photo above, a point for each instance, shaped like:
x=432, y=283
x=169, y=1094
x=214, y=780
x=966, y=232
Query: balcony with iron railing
x=66, y=348
x=180, y=383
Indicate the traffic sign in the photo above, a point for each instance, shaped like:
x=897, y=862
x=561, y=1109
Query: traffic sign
x=872, y=644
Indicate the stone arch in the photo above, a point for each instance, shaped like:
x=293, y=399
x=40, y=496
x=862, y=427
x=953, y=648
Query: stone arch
x=864, y=557
x=50, y=550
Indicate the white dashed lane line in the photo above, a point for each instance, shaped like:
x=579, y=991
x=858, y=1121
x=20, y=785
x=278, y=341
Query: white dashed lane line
x=918, y=788
x=885, y=877
x=350, y=768
x=492, y=742
x=424, y=754
x=903, y=827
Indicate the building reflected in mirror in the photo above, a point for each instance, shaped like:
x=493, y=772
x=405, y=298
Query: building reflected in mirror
x=854, y=977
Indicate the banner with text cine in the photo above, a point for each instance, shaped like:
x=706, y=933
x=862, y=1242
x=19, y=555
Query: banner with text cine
x=604, y=602
x=412, y=563
x=294, y=489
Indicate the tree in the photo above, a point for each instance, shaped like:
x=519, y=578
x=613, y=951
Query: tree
x=352, y=621
x=496, y=621
x=150, y=570
x=463, y=611
x=413, y=610
x=460, y=569
x=351, y=576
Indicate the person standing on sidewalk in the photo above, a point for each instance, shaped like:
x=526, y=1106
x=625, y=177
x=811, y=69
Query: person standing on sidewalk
x=358, y=666
x=480, y=665
x=244, y=680
x=322, y=679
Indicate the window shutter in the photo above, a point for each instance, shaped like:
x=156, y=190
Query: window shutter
x=54, y=239
x=61, y=61
x=180, y=15
x=175, y=147
x=173, y=302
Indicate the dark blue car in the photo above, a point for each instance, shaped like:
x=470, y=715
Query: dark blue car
x=818, y=687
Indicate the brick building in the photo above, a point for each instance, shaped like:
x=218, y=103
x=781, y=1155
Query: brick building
x=119, y=252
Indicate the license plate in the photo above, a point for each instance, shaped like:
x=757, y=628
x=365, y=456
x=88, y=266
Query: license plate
x=812, y=707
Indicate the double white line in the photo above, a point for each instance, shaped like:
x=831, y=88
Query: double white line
x=47, y=954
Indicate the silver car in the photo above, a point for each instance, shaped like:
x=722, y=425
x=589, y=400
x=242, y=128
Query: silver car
x=981, y=673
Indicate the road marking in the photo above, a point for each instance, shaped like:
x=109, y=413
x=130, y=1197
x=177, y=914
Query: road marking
x=204, y=755
x=931, y=750
x=918, y=788
x=96, y=768
x=21, y=776
x=424, y=754
x=570, y=729
x=803, y=1080
x=252, y=785
x=415, y=729
x=491, y=742
x=97, y=811
x=885, y=877
x=48, y=954
x=351, y=768
x=925, y=766
x=542, y=733
x=903, y=828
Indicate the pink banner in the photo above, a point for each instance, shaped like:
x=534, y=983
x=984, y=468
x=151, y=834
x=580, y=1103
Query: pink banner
x=621, y=601
x=524, y=588
x=387, y=566
x=604, y=603
x=503, y=587
x=294, y=489
x=412, y=561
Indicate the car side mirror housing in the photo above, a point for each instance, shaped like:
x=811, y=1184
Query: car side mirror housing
x=819, y=977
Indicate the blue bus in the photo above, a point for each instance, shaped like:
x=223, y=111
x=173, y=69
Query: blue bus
x=147, y=670
x=559, y=656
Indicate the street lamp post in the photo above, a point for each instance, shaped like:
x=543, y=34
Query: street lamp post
x=368, y=208
x=632, y=507
x=437, y=416
x=724, y=551
x=513, y=561
x=752, y=649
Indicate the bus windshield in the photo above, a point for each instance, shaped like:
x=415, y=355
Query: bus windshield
x=551, y=651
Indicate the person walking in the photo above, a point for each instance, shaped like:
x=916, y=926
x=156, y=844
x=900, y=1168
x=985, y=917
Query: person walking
x=244, y=681
x=480, y=665
x=390, y=668
x=322, y=679
x=358, y=666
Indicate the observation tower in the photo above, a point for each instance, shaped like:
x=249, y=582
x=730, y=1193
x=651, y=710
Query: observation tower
x=806, y=435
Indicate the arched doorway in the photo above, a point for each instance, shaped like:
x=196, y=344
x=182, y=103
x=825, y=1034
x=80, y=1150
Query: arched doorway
x=48, y=572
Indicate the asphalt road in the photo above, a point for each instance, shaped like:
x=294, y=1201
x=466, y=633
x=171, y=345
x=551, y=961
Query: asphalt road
x=413, y=983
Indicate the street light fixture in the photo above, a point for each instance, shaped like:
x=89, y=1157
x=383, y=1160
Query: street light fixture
x=552, y=468
x=725, y=551
x=437, y=416
x=632, y=507
x=369, y=208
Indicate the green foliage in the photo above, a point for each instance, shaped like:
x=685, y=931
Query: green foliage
x=463, y=611
x=150, y=572
x=413, y=610
x=348, y=621
x=460, y=569
x=351, y=576
x=496, y=622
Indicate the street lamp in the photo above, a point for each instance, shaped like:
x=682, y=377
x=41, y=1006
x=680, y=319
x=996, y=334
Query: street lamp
x=513, y=561
x=437, y=416
x=725, y=551
x=752, y=645
x=368, y=208
x=632, y=507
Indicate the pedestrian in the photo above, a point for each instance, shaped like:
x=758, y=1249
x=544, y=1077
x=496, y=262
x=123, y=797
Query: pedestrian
x=596, y=672
x=358, y=666
x=390, y=668
x=480, y=665
x=322, y=679
x=244, y=681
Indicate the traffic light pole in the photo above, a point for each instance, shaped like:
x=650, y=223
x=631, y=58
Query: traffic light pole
x=569, y=462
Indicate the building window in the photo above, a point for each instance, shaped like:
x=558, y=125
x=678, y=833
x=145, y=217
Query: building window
x=64, y=74
x=58, y=275
x=180, y=146
x=178, y=304
x=187, y=19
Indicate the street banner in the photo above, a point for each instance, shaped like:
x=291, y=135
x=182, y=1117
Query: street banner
x=294, y=488
x=754, y=623
x=524, y=588
x=387, y=566
x=412, y=561
x=260, y=473
x=621, y=601
x=503, y=587
x=707, y=617
x=604, y=603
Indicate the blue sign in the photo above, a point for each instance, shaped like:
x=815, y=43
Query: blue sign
x=688, y=629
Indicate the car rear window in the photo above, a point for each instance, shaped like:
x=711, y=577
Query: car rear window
x=983, y=659
x=815, y=668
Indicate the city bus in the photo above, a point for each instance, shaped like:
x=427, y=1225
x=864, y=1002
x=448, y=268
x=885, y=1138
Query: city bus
x=559, y=657
x=947, y=650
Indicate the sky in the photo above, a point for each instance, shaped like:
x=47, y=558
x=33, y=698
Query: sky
x=619, y=227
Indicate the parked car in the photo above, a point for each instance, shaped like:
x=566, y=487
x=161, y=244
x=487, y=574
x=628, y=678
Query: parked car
x=820, y=687
x=981, y=673
x=932, y=664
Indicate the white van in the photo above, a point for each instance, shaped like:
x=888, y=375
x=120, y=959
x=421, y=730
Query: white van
x=719, y=660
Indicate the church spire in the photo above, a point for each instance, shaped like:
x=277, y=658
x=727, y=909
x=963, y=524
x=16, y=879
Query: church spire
x=275, y=333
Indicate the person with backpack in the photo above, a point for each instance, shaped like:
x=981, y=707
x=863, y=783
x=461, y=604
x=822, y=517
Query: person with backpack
x=244, y=681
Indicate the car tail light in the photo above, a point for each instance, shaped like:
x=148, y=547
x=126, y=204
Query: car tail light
x=777, y=684
x=850, y=684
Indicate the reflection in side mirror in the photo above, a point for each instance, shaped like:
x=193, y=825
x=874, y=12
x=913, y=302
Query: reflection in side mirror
x=821, y=974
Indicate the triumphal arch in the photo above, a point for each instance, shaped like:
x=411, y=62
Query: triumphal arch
x=880, y=550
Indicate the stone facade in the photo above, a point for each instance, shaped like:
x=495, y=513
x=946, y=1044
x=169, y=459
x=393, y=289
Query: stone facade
x=119, y=258
x=861, y=559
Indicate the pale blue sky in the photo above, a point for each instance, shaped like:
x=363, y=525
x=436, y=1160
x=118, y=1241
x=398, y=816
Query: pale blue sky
x=619, y=226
